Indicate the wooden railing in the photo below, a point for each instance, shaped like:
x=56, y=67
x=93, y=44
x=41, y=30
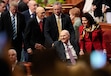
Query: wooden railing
x=66, y=6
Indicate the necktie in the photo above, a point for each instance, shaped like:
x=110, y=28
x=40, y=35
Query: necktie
x=58, y=24
x=32, y=16
x=14, y=27
x=41, y=25
x=70, y=55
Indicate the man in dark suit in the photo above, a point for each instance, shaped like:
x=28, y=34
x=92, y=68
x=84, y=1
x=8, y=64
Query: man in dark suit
x=62, y=46
x=97, y=8
x=22, y=5
x=51, y=28
x=30, y=13
x=34, y=33
x=14, y=33
x=2, y=9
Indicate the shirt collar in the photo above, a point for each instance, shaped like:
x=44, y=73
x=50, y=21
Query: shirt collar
x=38, y=19
x=57, y=16
x=30, y=12
x=11, y=13
x=68, y=43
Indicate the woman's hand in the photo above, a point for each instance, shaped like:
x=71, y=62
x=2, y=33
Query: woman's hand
x=81, y=52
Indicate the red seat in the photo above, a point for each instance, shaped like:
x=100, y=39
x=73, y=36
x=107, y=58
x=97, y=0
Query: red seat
x=107, y=39
x=106, y=27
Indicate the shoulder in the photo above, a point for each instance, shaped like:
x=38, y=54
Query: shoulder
x=32, y=20
x=5, y=13
x=65, y=15
x=51, y=16
x=20, y=15
x=56, y=43
x=24, y=12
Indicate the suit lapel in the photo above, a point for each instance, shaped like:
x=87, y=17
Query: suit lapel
x=37, y=24
x=62, y=49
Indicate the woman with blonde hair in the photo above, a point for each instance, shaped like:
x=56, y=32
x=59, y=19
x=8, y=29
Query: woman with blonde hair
x=75, y=18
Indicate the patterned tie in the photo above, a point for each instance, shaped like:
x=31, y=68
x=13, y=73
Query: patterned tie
x=41, y=25
x=70, y=55
x=14, y=27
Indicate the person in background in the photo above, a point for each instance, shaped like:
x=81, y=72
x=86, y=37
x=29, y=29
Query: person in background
x=75, y=18
x=6, y=5
x=62, y=46
x=90, y=36
x=56, y=23
x=2, y=7
x=87, y=6
x=30, y=13
x=106, y=8
x=12, y=58
x=16, y=66
x=34, y=32
x=97, y=8
x=22, y=5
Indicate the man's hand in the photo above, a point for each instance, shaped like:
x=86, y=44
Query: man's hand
x=39, y=46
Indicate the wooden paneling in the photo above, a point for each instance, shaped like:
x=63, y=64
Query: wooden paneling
x=69, y=4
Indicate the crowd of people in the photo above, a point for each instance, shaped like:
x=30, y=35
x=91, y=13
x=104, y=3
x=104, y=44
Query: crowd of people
x=57, y=44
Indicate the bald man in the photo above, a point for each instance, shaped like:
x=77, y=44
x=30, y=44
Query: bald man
x=61, y=47
x=12, y=57
x=34, y=36
x=17, y=67
x=30, y=13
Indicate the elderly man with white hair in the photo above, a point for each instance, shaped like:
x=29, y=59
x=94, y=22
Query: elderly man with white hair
x=67, y=51
x=34, y=36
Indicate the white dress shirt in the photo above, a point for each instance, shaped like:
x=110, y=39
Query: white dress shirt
x=72, y=50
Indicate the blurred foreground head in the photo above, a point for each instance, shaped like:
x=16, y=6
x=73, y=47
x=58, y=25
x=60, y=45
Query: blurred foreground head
x=46, y=63
x=5, y=69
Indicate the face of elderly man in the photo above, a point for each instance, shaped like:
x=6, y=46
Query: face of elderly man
x=64, y=36
x=32, y=5
x=12, y=55
x=57, y=8
x=40, y=11
x=13, y=7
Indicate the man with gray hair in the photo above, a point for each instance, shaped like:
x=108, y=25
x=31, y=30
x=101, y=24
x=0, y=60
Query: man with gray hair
x=13, y=23
x=55, y=23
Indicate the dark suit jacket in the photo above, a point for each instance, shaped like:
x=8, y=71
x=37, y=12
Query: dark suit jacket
x=27, y=15
x=22, y=6
x=33, y=34
x=51, y=30
x=7, y=27
x=58, y=45
x=98, y=10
